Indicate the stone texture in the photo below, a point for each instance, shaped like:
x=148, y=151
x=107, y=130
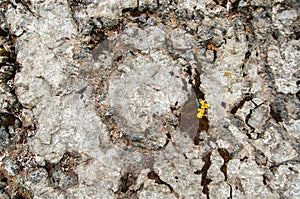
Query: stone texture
x=98, y=99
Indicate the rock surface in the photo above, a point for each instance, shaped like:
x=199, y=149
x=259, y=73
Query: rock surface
x=99, y=99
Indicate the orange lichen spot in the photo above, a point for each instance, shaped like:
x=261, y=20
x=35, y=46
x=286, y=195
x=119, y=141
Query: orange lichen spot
x=227, y=74
x=210, y=46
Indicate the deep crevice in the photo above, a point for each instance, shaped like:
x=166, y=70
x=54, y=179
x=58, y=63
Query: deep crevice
x=298, y=95
x=241, y=103
x=203, y=122
x=154, y=176
x=204, y=180
x=230, y=196
x=226, y=157
x=247, y=120
x=127, y=180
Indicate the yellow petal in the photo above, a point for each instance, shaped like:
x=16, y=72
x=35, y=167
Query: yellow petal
x=199, y=116
x=205, y=106
x=201, y=113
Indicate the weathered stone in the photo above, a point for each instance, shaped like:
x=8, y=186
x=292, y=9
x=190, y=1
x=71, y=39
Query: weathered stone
x=11, y=167
x=100, y=99
x=250, y=186
x=145, y=97
x=155, y=190
x=178, y=175
x=280, y=150
x=181, y=41
x=286, y=178
x=284, y=65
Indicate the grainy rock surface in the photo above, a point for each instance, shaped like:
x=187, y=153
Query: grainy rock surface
x=99, y=99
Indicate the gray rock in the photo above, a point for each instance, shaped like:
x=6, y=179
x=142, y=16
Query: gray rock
x=286, y=178
x=100, y=99
x=250, y=186
x=11, y=167
x=181, y=41
x=284, y=65
x=145, y=96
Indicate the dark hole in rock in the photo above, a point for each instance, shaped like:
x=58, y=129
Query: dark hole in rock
x=134, y=11
x=50, y=169
x=3, y=178
x=249, y=135
x=221, y=2
x=127, y=180
x=265, y=178
x=130, y=9
x=3, y=33
x=154, y=176
x=118, y=58
x=235, y=6
x=7, y=119
x=19, y=197
x=275, y=114
x=247, y=54
x=98, y=36
x=223, y=104
x=298, y=95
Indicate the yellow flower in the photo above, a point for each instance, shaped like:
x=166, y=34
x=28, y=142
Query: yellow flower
x=204, y=105
x=201, y=110
x=200, y=113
